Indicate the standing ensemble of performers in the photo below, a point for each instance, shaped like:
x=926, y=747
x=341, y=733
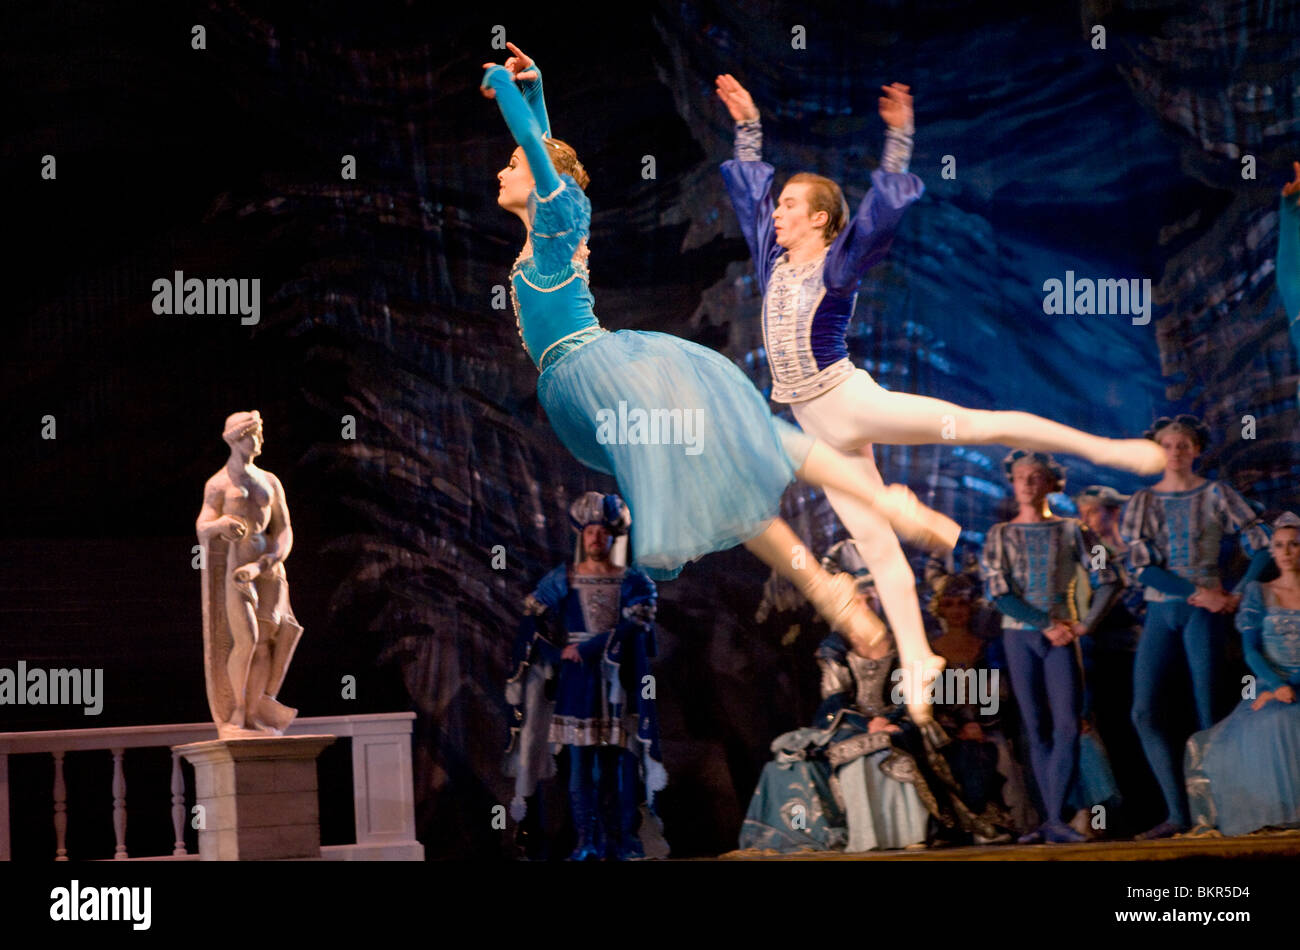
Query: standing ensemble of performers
x=876, y=769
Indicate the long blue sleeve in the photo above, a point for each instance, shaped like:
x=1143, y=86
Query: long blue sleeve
x=1288, y=261
x=1250, y=622
x=1018, y=608
x=1259, y=561
x=532, y=90
x=749, y=186
x=524, y=126
x=1167, y=582
x=866, y=239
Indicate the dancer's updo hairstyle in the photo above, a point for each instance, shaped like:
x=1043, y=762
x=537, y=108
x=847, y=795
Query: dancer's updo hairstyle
x=824, y=195
x=565, y=160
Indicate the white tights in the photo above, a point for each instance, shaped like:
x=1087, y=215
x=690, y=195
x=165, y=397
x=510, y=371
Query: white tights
x=859, y=412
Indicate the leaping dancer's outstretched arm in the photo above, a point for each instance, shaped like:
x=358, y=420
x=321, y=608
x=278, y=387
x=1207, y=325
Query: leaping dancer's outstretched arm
x=867, y=238
x=524, y=124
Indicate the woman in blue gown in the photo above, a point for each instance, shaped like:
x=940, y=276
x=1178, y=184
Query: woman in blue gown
x=1243, y=773
x=698, y=456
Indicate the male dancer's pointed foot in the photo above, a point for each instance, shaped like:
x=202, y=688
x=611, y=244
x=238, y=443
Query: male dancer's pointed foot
x=916, y=523
x=1140, y=456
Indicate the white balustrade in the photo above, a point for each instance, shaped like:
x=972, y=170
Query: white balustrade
x=382, y=790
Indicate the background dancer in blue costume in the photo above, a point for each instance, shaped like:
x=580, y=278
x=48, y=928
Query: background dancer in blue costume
x=1173, y=530
x=809, y=256
x=1288, y=256
x=728, y=491
x=1244, y=773
x=604, y=611
x=1029, y=564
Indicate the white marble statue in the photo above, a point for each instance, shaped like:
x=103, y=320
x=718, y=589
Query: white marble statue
x=249, y=630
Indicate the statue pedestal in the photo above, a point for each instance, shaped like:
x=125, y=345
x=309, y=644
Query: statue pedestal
x=258, y=796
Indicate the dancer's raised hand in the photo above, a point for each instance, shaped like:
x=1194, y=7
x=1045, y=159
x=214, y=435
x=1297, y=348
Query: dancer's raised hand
x=896, y=105
x=520, y=66
x=1292, y=187
x=737, y=100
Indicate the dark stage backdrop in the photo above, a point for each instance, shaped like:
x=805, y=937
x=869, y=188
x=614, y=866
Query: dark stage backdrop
x=377, y=303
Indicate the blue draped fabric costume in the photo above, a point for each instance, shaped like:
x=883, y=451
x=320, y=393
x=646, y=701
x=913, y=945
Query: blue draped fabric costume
x=1174, y=545
x=1029, y=569
x=697, y=454
x=1243, y=774
x=609, y=618
x=808, y=308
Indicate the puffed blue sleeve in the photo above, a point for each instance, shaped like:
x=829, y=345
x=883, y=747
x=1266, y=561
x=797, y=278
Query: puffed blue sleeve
x=1240, y=518
x=546, y=598
x=867, y=237
x=1288, y=260
x=1250, y=622
x=1000, y=585
x=560, y=222
x=1141, y=527
x=749, y=185
x=549, y=592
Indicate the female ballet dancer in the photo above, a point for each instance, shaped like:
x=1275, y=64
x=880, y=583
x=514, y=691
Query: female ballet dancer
x=723, y=489
x=809, y=255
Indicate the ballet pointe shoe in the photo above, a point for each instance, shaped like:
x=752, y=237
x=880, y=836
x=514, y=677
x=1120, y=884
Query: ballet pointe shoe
x=1139, y=456
x=916, y=523
x=837, y=601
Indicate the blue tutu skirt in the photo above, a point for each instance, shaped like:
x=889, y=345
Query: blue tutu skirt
x=1243, y=773
x=699, y=458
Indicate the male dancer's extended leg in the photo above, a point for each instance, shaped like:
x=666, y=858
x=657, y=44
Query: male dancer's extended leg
x=859, y=411
x=893, y=576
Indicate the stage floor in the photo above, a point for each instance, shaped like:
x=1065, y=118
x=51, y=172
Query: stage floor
x=1262, y=844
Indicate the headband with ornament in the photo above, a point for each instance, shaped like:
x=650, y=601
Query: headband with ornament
x=1042, y=459
x=1191, y=424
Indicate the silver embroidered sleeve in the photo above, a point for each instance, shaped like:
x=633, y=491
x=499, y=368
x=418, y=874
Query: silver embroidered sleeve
x=898, y=149
x=749, y=141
